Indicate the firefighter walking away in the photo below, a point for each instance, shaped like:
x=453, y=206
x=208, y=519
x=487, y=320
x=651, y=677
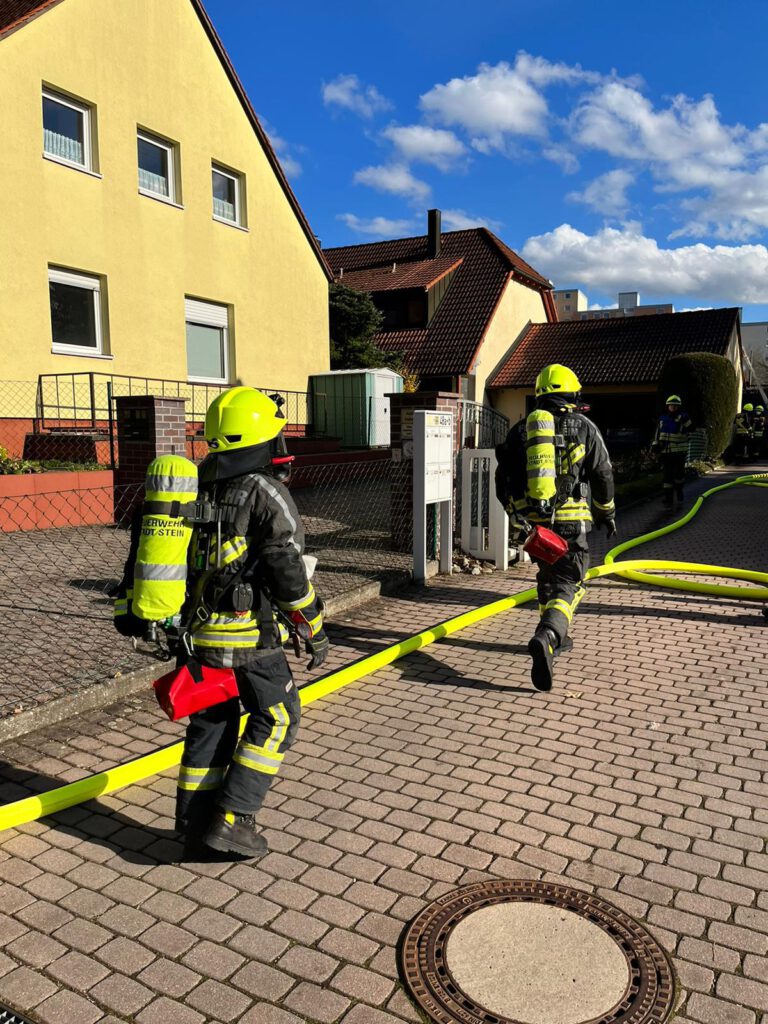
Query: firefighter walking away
x=246, y=591
x=554, y=471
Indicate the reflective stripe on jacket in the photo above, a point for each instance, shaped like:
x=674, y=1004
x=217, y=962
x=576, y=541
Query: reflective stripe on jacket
x=262, y=543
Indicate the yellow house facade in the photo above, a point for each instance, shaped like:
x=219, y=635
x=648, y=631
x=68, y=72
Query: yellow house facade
x=147, y=227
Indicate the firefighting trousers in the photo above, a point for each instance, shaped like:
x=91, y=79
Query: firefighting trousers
x=560, y=587
x=673, y=474
x=219, y=770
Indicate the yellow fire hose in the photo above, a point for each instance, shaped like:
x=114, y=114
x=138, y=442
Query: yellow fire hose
x=31, y=808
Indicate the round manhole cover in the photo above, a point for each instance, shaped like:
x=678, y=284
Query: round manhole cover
x=524, y=952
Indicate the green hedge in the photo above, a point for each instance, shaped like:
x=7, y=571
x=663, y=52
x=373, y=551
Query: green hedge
x=709, y=389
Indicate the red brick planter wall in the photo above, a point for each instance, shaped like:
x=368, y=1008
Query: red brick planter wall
x=43, y=501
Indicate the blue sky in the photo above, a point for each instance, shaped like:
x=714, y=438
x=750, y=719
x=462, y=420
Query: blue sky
x=615, y=146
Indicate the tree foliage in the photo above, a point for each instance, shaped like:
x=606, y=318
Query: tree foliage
x=709, y=389
x=354, y=320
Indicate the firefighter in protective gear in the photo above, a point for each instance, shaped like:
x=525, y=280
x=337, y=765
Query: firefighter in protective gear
x=742, y=433
x=554, y=470
x=758, y=431
x=236, y=577
x=245, y=561
x=670, y=443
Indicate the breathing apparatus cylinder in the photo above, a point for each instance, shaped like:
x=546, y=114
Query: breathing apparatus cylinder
x=540, y=457
x=160, y=573
x=541, y=484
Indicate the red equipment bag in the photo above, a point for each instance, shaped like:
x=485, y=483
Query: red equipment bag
x=545, y=545
x=194, y=687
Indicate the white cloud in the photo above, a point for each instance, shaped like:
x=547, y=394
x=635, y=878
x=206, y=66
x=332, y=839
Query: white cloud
x=394, y=178
x=501, y=100
x=563, y=156
x=613, y=259
x=428, y=145
x=619, y=120
x=349, y=92
x=596, y=306
x=380, y=227
x=606, y=194
x=460, y=220
x=735, y=211
x=489, y=105
x=687, y=148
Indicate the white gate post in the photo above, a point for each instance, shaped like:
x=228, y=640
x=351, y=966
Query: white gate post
x=487, y=541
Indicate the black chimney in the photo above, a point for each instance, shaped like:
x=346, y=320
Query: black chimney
x=433, y=233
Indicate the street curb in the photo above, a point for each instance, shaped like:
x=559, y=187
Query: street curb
x=100, y=694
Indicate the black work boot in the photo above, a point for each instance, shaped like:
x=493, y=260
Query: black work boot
x=565, y=646
x=542, y=647
x=191, y=830
x=235, y=833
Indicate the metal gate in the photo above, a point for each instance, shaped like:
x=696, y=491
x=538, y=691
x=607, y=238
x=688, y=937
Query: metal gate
x=484, y=523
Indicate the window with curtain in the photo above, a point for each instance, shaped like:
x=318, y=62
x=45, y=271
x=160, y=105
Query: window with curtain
x=66, y=130
x=156, y=167
x=226, y=196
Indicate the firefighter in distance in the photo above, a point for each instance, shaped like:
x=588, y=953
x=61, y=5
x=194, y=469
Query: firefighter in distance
x=670, y=443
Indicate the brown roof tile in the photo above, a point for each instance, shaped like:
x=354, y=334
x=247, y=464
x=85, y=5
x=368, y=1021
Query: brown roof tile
x=448, y=345
x=625, y=350
x=393, y=277
x=14, y=13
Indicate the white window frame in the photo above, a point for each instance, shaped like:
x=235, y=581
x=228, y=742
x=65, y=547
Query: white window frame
x=86, y=112
x=170, y=148
x=89, y=283
x=237, y=178
x=208, y=314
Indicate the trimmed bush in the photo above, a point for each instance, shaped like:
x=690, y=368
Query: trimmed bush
x=709, y=389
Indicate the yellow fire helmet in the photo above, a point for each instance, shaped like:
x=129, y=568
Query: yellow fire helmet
x=748, y=407
x=242, y=417
x=556, y=379
x=759, y=408
x=674, y=400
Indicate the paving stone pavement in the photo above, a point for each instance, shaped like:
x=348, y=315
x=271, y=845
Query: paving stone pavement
x=641, y=777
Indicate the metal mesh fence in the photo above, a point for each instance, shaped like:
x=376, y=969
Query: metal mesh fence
x=62, y=555
x=17, y=414
x=68, y=420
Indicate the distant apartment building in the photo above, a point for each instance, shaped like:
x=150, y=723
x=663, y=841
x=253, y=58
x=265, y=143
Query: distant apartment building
x=569, y=303
x=572, y=304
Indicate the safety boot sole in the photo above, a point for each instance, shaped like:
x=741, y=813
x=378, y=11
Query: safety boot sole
x=224, y=839
x=543, y=655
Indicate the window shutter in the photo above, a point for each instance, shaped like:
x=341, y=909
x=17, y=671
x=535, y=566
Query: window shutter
x=196, y=312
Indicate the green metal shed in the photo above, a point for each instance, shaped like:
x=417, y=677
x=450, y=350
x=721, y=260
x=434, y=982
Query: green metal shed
x=351, y=404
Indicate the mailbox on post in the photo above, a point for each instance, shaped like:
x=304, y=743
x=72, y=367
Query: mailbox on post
x=432, y=484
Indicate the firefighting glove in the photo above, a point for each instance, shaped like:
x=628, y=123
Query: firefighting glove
x=125, y=622
x=610, y=527
x=317, y=648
